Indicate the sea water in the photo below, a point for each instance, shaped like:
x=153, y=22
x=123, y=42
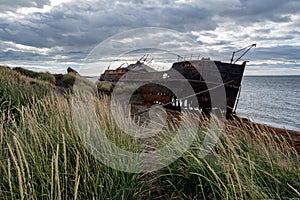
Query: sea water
x=271, y=100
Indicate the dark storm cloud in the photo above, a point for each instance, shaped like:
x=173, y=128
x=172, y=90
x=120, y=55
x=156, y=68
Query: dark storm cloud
x=82, y=25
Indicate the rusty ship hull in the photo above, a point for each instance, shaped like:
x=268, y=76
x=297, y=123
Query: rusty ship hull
x=202, y=75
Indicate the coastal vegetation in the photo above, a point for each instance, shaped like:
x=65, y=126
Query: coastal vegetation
x=45, y=76
x=42, y=155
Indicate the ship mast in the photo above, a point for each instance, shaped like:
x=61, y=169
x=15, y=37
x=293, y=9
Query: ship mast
x=248, y=48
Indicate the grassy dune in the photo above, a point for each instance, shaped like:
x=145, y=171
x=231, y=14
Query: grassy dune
x=42, y=156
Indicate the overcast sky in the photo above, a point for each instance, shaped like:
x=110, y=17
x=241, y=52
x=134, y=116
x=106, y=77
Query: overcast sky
x=52, y=35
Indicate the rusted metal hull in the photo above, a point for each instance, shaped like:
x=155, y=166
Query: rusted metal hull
x=162, y=87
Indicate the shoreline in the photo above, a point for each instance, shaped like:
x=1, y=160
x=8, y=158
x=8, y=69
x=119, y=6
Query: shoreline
x=291, y=136
x=269, y=123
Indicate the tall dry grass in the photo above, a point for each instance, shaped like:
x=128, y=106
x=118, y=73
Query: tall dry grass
x=43, y=157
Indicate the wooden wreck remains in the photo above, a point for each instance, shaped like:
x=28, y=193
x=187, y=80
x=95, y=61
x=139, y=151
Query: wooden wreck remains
x=202, y=75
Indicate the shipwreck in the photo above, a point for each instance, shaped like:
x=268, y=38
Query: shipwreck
x=169, y=88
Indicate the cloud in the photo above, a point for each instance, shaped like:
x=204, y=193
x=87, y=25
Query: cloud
x=251, y=11
x=285, y=53
x=12, y=5
x=18, y=55
x=70, y=30
x=82, y=24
